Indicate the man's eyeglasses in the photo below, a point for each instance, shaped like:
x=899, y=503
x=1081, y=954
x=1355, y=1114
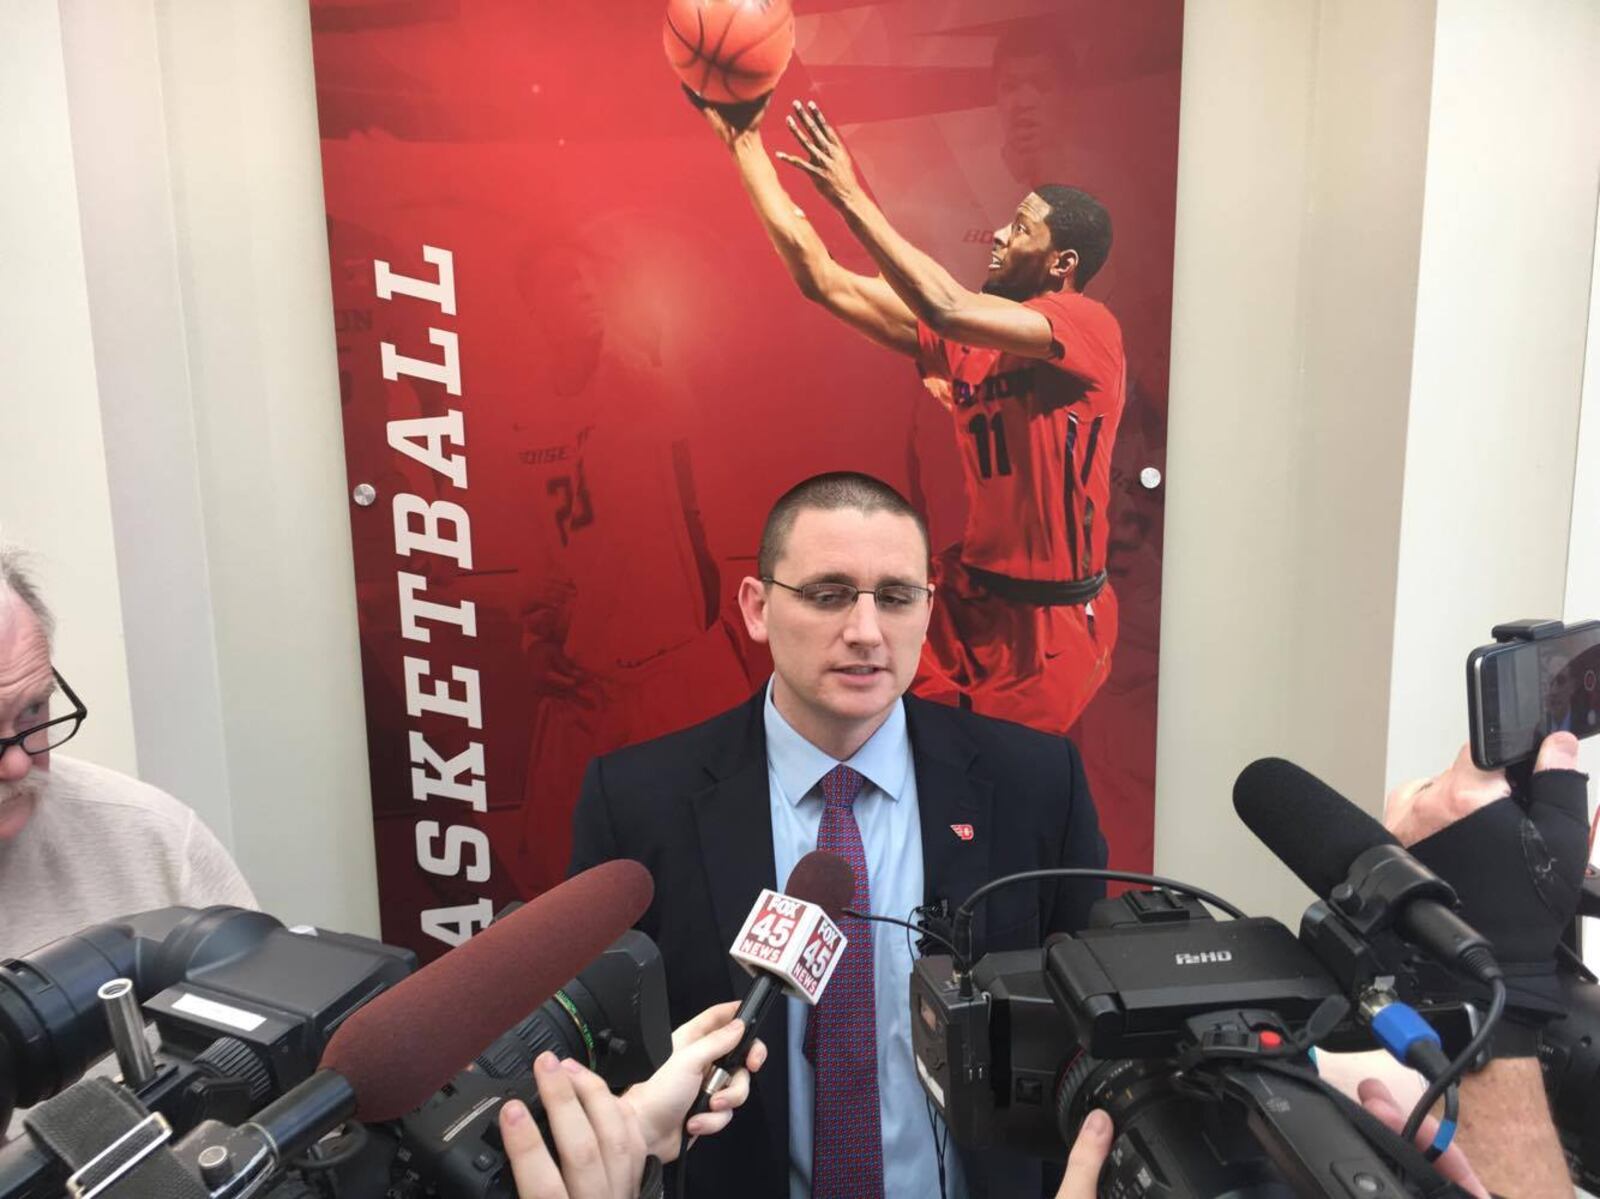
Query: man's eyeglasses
x=42, y=738
x=890, y=598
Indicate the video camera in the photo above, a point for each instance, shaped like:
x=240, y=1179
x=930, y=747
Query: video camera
x=245, y=1008
x=1197, y=1035
x=1191, y=1033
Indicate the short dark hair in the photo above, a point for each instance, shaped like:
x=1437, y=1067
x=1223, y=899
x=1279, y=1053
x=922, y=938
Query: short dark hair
x=1078, y=222
x=829, y=493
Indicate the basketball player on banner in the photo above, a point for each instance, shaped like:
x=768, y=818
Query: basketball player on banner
x=614, y=497
x=1025, y=621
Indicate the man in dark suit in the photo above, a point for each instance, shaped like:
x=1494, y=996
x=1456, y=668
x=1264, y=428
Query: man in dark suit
x=926, y=803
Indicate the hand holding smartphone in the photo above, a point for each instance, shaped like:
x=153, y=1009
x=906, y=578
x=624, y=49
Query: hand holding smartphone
x=1539, y=677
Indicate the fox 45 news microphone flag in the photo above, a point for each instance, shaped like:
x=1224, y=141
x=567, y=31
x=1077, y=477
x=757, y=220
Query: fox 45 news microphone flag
x=791, y=940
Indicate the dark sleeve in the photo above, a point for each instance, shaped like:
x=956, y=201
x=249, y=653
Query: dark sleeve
x=1081, y=845
x=594, y=838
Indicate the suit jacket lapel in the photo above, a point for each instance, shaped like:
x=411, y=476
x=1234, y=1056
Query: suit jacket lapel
x=734, y=820
x=955, y=807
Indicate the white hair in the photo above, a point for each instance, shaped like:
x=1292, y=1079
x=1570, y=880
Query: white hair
x=15, y=578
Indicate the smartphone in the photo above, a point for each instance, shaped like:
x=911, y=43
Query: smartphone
x=1519, y=691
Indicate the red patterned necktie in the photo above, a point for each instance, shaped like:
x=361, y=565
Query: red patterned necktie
x=847, y=1135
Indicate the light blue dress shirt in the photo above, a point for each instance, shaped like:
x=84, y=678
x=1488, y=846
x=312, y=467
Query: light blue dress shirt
x=891, y=834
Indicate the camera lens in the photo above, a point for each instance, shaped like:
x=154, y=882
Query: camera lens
x=1122, y=1088
x=1168, y=1141
x=8, y=1085
x=565, y=1025
x=50, y=1017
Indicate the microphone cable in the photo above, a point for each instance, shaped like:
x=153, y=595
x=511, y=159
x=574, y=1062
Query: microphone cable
x=963, y=915
x=920, y=930
x=1452, y=1074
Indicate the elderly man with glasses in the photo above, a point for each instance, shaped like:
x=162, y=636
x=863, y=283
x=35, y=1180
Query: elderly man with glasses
x=925, y=802
x=80, y=844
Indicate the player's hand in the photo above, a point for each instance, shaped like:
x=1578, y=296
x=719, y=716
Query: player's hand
x=549, y=672
x=940, y=390
x=826, y=160
x=1089, y=1153
x=1452, y=1163
x=597, y=1137
x=663, y=1100
x=732, y=123
x=1422, y=807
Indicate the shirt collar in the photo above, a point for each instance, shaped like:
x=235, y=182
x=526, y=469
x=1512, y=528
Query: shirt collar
x=885, y=759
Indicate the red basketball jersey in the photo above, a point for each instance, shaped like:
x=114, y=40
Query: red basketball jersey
x=1035, y=438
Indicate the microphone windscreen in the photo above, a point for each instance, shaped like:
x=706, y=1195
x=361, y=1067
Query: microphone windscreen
x=824, y=879
x=408, y=1042
x=1312, y=829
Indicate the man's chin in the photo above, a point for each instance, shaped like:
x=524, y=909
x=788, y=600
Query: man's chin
x=864, y=698
x=1005, y=289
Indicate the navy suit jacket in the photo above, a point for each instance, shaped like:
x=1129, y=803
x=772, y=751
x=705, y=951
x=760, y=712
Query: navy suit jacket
x=694, y=807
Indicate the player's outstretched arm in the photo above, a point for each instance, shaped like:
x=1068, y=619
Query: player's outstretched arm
x=868, y=305
x=932, y=293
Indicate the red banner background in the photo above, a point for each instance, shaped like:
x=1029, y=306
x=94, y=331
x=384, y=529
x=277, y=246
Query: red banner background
x=639, y=379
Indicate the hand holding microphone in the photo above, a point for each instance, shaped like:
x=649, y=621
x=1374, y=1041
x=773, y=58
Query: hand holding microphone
x=601, y=1140
x=790, y=944
x=665, y=1098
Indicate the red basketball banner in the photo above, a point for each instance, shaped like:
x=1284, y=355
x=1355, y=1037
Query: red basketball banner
x=574, y=375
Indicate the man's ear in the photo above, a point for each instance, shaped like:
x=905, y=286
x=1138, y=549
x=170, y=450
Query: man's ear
x=1065, y=267
x=753, y=607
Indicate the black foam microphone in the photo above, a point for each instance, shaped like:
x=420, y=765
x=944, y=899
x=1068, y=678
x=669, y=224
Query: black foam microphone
x=1354, y=863
x=790, y=943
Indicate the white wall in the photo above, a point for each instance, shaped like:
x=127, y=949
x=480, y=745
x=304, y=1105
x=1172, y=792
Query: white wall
x=54, y=496
x=218, y=470
x=1291, y=362
x=1582, y=600
x=1386, y=227
x=130, y=247
x=257, y=303
x=1227, y=612
x=1502, y=316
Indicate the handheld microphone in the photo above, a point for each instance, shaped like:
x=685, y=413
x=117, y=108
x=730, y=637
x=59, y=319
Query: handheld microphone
x=1351, y=860
x=790, y=943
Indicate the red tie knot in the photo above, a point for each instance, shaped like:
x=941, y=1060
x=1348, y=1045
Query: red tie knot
x=841, y=785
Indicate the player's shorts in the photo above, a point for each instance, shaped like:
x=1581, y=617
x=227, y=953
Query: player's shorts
x=687, y=684
x=1038, y=665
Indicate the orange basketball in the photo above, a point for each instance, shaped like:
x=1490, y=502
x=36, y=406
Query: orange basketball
x=728, y=51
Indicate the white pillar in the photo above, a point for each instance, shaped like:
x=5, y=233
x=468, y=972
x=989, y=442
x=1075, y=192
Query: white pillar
x=53, y=491
x=1304, y=129
x=1508, y=241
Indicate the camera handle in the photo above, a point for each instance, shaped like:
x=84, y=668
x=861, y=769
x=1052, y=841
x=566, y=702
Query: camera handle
x=102, y=1141
x=1324, y=1142
x=961, y=931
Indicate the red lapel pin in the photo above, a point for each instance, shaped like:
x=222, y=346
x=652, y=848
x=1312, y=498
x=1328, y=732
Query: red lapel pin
x=964, y=831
